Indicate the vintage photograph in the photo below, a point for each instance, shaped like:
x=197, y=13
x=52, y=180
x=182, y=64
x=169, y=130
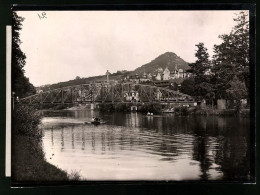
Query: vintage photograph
x=131, y=96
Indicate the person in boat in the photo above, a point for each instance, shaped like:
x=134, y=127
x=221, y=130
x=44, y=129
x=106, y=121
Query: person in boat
x=93, y=119
x=97, y=119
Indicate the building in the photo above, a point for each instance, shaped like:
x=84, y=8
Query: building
x=132, y=96
x=166, y=74
x=107, y=74
x=158, y=75
x=144, y=78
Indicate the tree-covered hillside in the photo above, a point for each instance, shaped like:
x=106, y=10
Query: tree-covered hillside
x=168, y=59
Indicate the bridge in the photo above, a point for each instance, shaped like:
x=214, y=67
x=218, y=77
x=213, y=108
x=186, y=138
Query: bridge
x=107, y=93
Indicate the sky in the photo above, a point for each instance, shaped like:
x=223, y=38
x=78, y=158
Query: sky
x=66, y=44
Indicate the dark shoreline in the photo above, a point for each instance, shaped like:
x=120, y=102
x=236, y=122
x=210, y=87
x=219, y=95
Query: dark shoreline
x=155, y=108
x=29, y=164
x=28, y=158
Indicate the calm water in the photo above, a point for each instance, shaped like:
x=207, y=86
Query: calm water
x=131, y=146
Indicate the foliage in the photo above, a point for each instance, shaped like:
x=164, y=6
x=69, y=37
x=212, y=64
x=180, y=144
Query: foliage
x=26, y=121
x=232, y=57
x=203, y=79
x=122, y=107
x=150, y=107
x=106, y=107
x=21, y=85
x=187, y=87
x=74, y=175
x=237, y=89
x=181, y=110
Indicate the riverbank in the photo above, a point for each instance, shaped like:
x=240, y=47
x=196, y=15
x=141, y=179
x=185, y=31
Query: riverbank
x=156, y=108
x=28, y=158
x=217, y=112
x=29, y=164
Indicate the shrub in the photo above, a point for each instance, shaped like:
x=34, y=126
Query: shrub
x=150, y=107
x=184, y=111
x=245, y=112
x=181, y=110
x=74, y=175
x=26, y=121
x=106, y=107
x=120, y=107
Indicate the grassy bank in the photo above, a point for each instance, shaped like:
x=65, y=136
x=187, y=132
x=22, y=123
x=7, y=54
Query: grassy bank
x=29, y=164
x=28, y=159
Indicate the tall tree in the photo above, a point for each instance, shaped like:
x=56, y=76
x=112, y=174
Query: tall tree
x=203, y=87
x=231, y=57
x=20, y=84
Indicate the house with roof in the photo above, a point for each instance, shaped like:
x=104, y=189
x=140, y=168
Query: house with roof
x=166, y=74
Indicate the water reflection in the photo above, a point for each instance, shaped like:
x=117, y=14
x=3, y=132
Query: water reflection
x=132, y=146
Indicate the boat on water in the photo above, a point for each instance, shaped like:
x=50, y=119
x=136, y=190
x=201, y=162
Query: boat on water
x=170, y=110
x=149, y=114
x=95, y=121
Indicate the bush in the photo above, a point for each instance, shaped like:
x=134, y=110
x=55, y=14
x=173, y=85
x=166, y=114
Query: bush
x=120, y=107
x=182, y=110
x=245, y=112
x=106, y=107
x=150, y=107
x=26, y=121
x=74, y=175
x=177, y=109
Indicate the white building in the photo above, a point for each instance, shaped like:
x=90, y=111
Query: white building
x=166, y=74
x=159, y=76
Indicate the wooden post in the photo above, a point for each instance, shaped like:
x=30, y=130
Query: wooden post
x=62, y=97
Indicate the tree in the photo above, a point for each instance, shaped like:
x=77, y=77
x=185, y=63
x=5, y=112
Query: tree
x=231, y=57
x=20, y=84
x=187, y=87
x=237, y=89
x=203, y=86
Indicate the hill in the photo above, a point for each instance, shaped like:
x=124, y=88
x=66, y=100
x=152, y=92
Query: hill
x=168, y=59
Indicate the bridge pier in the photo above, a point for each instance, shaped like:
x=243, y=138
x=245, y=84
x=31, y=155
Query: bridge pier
x=133, y=108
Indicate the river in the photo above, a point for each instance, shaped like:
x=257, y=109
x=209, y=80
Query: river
x=132, y=146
